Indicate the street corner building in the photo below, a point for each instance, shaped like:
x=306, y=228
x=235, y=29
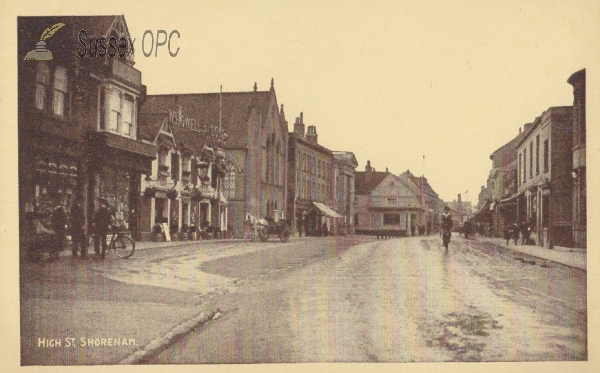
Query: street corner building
x=78, y=131
x=219, y=157
x=391, y=205
x=320, y=185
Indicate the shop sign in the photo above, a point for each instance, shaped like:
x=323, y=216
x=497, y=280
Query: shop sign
x=160, y=195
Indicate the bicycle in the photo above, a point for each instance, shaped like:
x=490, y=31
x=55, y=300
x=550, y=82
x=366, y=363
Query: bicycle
x=120, y=243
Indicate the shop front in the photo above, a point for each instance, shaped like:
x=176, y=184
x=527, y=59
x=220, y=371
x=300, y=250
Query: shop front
x=115, y=173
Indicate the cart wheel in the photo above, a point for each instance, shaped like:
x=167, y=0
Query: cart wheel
x=263, y=234
x=285, y=235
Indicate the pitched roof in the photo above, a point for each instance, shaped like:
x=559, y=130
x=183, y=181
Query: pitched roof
x=366, y=181
x=204, y=108
x=345, y=156
x=305, y=142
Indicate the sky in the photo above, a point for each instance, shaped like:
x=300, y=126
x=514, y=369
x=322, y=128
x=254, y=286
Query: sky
x=391, y=81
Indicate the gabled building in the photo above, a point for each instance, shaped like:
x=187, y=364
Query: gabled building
x=386, y=203
x=256, y=144
x=186, y=191
x=78, y=126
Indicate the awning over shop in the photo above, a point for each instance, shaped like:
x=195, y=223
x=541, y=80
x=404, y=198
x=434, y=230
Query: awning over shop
x=326, y=210
x=483, y=211
x=511, y=199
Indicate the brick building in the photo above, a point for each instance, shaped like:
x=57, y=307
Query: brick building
x=78, y=122
x=186, y=190
x=256, y=147
x=544, y=164
x=311, y=184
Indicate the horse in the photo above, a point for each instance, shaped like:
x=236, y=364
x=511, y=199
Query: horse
x=254, y=222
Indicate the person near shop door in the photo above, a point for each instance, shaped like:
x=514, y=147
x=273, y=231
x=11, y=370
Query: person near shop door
x=59, y=222
x=102, y=221
x=77, y=230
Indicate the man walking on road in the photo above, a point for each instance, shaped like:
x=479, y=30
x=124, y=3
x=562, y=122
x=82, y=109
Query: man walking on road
x=447, y=224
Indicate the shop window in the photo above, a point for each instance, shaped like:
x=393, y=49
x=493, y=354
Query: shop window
x=391, y=219
x=60, y=91
x=42, y=83
x=113, y=185
x=161, y=211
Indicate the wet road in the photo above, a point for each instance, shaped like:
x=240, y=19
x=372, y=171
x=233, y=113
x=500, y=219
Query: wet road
x=400, y=300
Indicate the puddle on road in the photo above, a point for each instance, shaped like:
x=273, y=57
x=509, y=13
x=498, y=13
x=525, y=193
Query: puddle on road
x=461, y=333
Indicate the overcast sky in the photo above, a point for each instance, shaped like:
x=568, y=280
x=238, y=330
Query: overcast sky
x=392, y=81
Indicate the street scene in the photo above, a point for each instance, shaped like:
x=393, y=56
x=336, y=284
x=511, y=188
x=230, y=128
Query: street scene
x=414, y=198
x=346, y=299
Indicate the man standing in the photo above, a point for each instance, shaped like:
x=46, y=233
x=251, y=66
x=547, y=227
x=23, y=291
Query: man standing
x=102, y=222
x=59, y=221
x=77, y=230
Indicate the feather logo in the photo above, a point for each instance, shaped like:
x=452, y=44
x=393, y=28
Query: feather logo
x=40, y=53
x=50, y=31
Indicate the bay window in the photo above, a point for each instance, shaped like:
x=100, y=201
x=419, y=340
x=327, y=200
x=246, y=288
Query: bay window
x=118, y=114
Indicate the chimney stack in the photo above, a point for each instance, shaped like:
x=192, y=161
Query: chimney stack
x=299, y=126
x=368, y=167
x=311, y=133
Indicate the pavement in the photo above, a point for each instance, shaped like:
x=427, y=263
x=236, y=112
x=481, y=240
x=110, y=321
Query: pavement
x=73, y=315
x=571, y=257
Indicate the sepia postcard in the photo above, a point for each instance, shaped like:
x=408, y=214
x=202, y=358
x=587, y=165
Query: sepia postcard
x=340, y=186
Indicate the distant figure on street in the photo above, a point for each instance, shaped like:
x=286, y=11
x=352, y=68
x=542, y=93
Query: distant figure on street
x=511, y=231
x=447, y=224
x=77, y=230
x=102, y=223
x=325, y=230
x=59, y=222
x=525, y=232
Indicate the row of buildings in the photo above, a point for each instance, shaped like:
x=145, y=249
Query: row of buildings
x=539, y=177
x=175, y=164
